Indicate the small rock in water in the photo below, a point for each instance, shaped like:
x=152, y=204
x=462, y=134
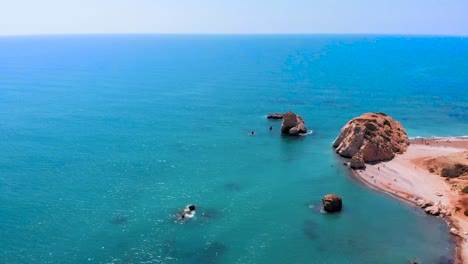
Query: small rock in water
x=332, y=203
x=232, y=187
x=275, y=116
x=119, y=219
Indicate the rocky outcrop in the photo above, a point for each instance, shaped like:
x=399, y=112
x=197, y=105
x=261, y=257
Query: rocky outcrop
x=332, y=203
x=357, y=163
x=293, y=124
x=455, y=232
x=371, y=137
x=275, y=116
x=423, y=203
x=433, y=209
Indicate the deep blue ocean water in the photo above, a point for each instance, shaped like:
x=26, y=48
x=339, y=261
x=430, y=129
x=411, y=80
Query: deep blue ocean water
x=104, y=137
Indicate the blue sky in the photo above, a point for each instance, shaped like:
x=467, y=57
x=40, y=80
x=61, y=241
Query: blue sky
x=429, y=17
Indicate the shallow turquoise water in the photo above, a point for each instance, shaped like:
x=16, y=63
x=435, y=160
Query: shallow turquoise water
x=104, y=137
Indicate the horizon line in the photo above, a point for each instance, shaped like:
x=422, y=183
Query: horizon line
x=229, y=34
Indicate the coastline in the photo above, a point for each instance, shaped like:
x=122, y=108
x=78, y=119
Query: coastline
x=405, y=177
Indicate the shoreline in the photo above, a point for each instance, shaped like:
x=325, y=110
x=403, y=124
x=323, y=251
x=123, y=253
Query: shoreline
x=406, y=178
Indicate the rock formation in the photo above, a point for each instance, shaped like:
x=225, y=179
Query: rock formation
x=371, y=137
x=357, y=163
x=455, y=232
x=293, y=124
x=275, y=116
x=423, y=203
x=332, y=203
x=433, y=209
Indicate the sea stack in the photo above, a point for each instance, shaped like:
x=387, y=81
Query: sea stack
x=293, y=124
x=371, y=137
x=332, y=203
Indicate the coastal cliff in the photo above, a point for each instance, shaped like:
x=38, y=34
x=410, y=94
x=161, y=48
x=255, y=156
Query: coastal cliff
x=371, y=137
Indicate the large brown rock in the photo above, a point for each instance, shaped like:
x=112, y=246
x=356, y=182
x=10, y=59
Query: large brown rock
x=332, y=203
x=372, y=137
x=293, y=124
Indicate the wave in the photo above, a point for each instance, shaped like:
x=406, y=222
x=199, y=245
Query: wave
x=309, y=132
x=439, y=137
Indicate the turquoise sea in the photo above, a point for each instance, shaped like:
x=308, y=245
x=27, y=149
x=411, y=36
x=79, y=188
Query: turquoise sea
x=104, y=137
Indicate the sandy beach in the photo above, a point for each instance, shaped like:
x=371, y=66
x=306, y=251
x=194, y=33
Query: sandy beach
x=407, y=177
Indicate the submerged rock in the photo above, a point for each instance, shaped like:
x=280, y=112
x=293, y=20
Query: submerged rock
x=293, y=124
x=332, y=203
x=310, y=229
x=119, y=219
x=211, y=213
x=372, y=137
x=232, y=187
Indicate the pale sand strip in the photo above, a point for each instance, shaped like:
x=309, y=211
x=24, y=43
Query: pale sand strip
x=401, y=177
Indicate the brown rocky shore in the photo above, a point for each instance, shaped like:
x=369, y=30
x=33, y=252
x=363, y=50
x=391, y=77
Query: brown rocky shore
x=431, y=174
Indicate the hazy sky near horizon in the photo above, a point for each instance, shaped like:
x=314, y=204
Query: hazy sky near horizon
x=432, y=17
